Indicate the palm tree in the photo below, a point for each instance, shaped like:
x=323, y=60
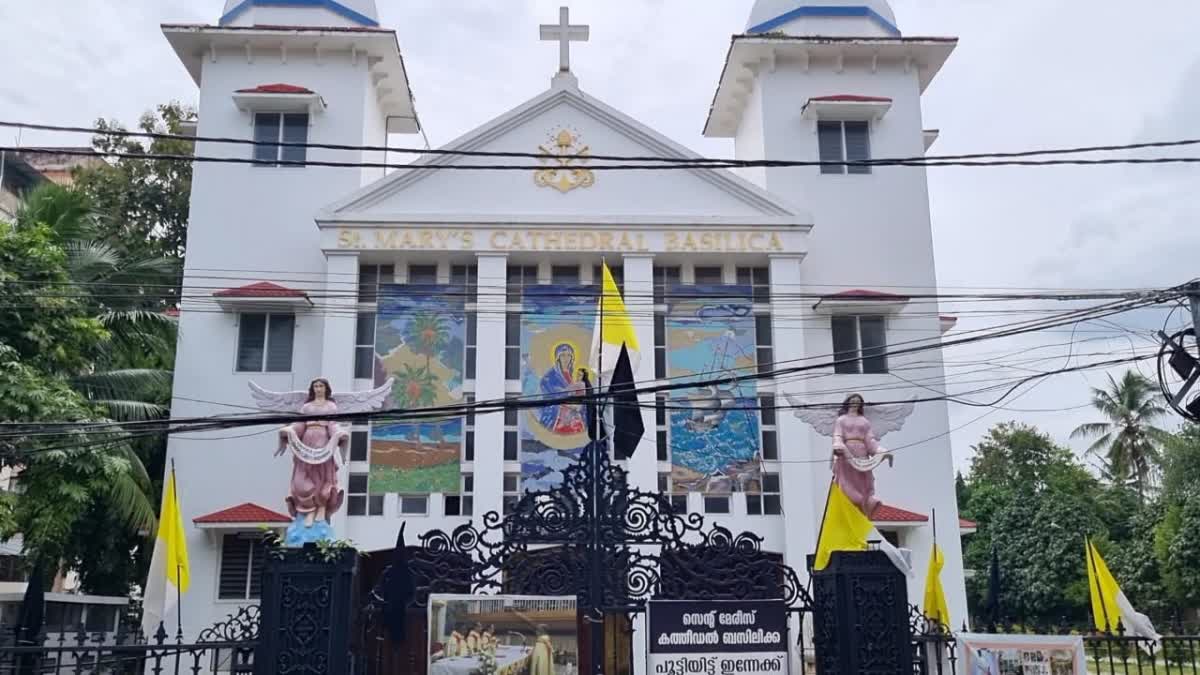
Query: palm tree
x=1127, y=443
x=415, y=387
x=426, y=334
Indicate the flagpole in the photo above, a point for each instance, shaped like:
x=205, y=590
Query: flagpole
x=178, y=567
x=1094, y=585
x=820, y=531
x=933, y=515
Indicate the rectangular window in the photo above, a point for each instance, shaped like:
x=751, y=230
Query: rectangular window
x=466, y=279
x=758, y=279
x=859, y=344
x=461, y=504
x=564, y=274
x=369, y=279
x=766, y=502
x=844, y=142
x=662, y=428
x=764, y=351
x=714, y=504
x=618, y=274
x=770, y=440
x=512, y=442
x=242, y=559
x=364, y=346
x=271, y=129
x=358, y=502
x=512, y=345
x=512, y=491
x=709, y=276
x=518, y=278
x=414, y=505
x=660, y=346
x=265, y=343
x=469, y=429
x=360, y=442
x=422, y=274
x=665, y=278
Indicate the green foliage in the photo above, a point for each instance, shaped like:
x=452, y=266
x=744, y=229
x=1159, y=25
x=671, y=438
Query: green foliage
x=1127, y=440
x=146, y=200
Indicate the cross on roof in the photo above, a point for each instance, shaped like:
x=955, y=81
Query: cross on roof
x=565, y=33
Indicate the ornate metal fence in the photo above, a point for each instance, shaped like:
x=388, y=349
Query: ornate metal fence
x=225, y=647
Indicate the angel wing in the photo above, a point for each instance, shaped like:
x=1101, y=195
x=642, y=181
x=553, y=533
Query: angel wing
x=888, y=417
x=821, y=418
x=364, y=401
x=278, y=401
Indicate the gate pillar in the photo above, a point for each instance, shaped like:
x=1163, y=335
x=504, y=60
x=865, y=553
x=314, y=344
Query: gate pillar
x=860, y=616
x=306, y=612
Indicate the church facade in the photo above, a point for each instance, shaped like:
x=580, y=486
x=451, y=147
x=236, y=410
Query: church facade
x=462, y=285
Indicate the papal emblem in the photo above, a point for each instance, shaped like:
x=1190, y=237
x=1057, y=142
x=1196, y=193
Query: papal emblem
x=567, y=159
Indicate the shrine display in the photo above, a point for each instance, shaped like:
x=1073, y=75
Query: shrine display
x=502, y=635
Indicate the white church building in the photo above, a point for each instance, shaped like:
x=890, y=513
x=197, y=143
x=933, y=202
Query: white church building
x=465, y=285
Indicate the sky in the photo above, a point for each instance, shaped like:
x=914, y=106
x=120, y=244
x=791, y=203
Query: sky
x=1026, y=74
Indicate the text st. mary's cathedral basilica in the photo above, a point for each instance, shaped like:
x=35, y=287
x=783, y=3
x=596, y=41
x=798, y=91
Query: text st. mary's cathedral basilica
x=453, y=286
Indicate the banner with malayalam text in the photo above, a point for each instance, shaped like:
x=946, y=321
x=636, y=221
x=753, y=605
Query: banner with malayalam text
x=717, y=636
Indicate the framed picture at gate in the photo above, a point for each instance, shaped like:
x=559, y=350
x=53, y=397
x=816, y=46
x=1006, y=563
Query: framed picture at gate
x=502, y=635
x=984, y=654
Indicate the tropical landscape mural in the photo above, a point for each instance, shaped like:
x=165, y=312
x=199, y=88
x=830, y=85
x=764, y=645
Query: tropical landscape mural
x=420, y=341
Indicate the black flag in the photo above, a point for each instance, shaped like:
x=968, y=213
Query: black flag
x=992, y=602
x=628, y=427
x=31, y=617
x=398, y=590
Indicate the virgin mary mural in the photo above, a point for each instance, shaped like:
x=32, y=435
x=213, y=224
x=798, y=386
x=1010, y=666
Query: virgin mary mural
x=556, y=331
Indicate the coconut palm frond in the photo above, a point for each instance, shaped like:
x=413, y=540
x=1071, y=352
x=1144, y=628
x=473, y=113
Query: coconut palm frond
x=88, y=260
x=133, y=411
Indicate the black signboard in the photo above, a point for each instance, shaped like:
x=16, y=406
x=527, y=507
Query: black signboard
x=694, y=637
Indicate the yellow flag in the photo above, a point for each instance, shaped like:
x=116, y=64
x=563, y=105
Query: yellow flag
x=169, y=571
x=171, y=533
x=935, y=597
x=844, y=528
x=1104, y=591
x=613, y=328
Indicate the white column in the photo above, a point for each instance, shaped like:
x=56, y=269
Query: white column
x=643, y=466
x=489, y=385
x=796, y=467
x=337, y=344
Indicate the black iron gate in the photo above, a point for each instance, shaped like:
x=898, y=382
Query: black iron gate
x=618, y=547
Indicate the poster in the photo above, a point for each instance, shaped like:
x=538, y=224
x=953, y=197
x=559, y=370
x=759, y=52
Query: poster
x=714, y=430
x=502, y=634
x=420, y=336
x=556, y=338
x=1022, y=654
x=695, y=636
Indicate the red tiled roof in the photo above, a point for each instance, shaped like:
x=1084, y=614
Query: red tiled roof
x=893, y=514
x=243, y=513
x=262, y=289
x=172, y=312
x=863, y=293
x=967, y=524
x=278, y=88
x=852, y=98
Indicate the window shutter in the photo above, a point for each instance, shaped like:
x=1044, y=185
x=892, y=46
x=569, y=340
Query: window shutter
x=829, y=145
x=845, y=344
x=858, y=146
x=251, y=334
x=279, y=344
x=874, y=344
x=266, y=132
x=257, y=559
x=295, y=130
x=235, y=563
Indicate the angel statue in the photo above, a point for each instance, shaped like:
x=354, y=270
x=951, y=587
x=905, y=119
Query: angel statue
x=317, y=448
x=856, y=429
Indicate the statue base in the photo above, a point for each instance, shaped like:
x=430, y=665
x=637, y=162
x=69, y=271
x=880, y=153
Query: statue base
x=299, y=534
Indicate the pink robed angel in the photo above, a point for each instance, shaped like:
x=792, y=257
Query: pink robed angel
x=856, y=429
x=317, y=446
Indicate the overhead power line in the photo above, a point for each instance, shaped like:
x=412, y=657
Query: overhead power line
x=123, y=133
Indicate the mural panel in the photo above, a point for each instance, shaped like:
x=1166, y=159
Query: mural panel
x=714, y=430
x=419, y=340
x=556, y=337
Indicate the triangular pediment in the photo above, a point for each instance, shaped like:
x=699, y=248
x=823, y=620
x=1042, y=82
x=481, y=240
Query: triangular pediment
x=427, y=193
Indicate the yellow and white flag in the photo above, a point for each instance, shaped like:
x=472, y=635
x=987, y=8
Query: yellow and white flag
x=612, y=329
x=845, y=528
x=169, y=572
x=1109, y=604
x=935, y=596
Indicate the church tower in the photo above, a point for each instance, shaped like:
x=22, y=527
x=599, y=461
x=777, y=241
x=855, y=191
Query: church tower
x=261, y=297
x=838, y=81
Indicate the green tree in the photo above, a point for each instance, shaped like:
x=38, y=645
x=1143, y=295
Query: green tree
x=1127, y=440
x=426, y=334
x=146, y=200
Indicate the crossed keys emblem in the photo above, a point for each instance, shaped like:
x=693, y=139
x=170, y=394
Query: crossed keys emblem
x=565, y=173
